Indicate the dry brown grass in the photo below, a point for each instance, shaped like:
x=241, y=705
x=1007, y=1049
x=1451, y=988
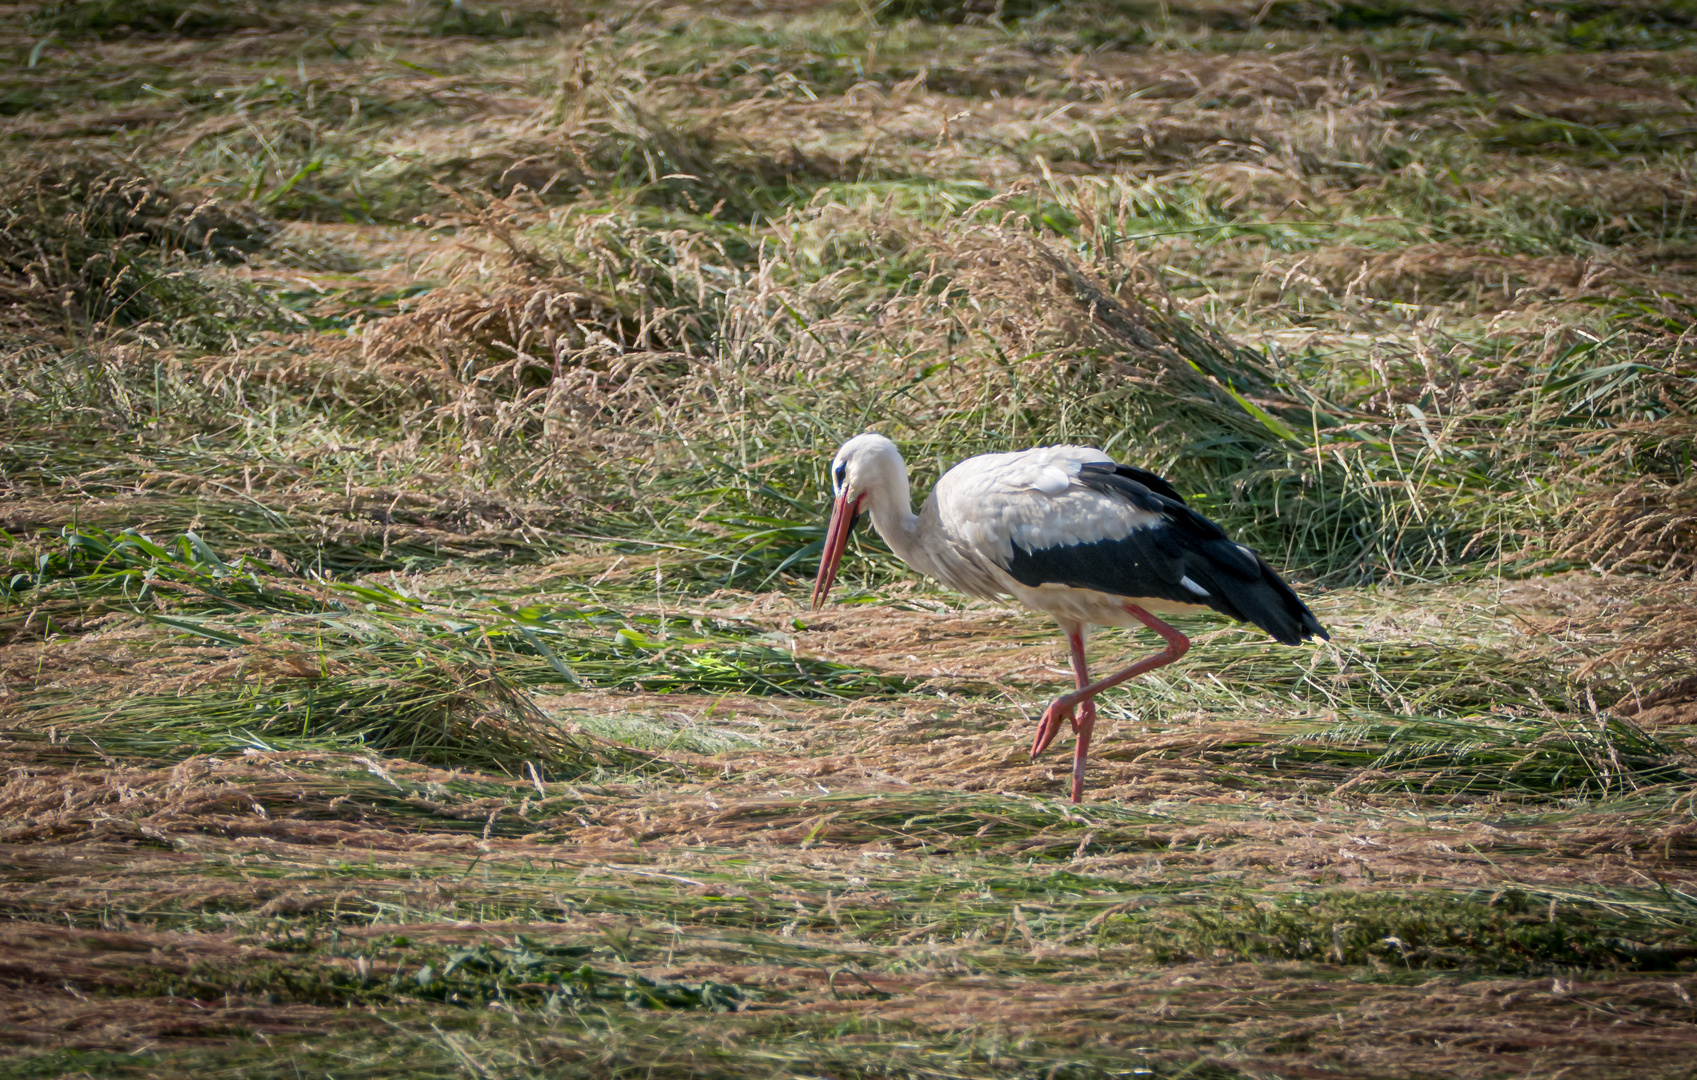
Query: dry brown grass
x=1638, y=527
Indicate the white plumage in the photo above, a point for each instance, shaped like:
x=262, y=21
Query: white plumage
x=1031, y=500
x=1065, y=530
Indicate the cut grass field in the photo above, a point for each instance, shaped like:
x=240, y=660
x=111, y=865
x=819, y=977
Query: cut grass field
x=414, y=420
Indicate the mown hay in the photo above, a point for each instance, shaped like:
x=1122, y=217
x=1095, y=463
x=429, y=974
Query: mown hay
x=122, y=18
x=517, y=336
x=1645, y=526
x=1657, y=656
x=88, y=244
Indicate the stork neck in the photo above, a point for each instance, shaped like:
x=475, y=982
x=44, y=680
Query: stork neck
x=891, y=507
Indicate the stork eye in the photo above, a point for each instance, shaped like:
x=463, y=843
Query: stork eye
x=840, y=474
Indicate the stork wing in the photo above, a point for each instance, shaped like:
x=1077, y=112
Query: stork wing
x=1067, y=516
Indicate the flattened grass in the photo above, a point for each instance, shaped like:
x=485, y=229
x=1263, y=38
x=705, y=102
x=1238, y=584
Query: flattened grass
x=402, y=668
x=309, y=663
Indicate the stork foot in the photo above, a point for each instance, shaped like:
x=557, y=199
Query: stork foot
x=1058, y=712
x=1082, y=721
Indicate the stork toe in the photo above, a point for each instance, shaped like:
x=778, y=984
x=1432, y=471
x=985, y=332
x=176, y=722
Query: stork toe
x=1049, y=726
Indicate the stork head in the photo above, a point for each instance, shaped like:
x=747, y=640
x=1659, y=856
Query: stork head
x=867, y=465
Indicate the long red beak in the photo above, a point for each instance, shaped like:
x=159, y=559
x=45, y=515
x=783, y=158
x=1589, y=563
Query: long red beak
x=843, y=518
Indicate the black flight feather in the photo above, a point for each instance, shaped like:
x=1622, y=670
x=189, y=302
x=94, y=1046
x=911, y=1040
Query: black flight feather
x=1152, y=562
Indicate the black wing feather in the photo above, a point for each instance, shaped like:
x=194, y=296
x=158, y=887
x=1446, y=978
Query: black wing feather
x=1152, y=562
x=1102, y=474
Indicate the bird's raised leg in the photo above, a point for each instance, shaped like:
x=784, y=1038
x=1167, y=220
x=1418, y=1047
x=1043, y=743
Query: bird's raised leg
x=1062, y=707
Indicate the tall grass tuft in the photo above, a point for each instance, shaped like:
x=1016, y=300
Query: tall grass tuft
x=89, y=246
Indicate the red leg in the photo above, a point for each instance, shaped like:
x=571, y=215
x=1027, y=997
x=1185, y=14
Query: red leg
x=1046, y=731
x=1086, y=722
x=1062, y=708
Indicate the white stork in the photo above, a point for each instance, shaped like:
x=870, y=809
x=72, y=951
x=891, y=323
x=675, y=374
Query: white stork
x=1066, y=530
